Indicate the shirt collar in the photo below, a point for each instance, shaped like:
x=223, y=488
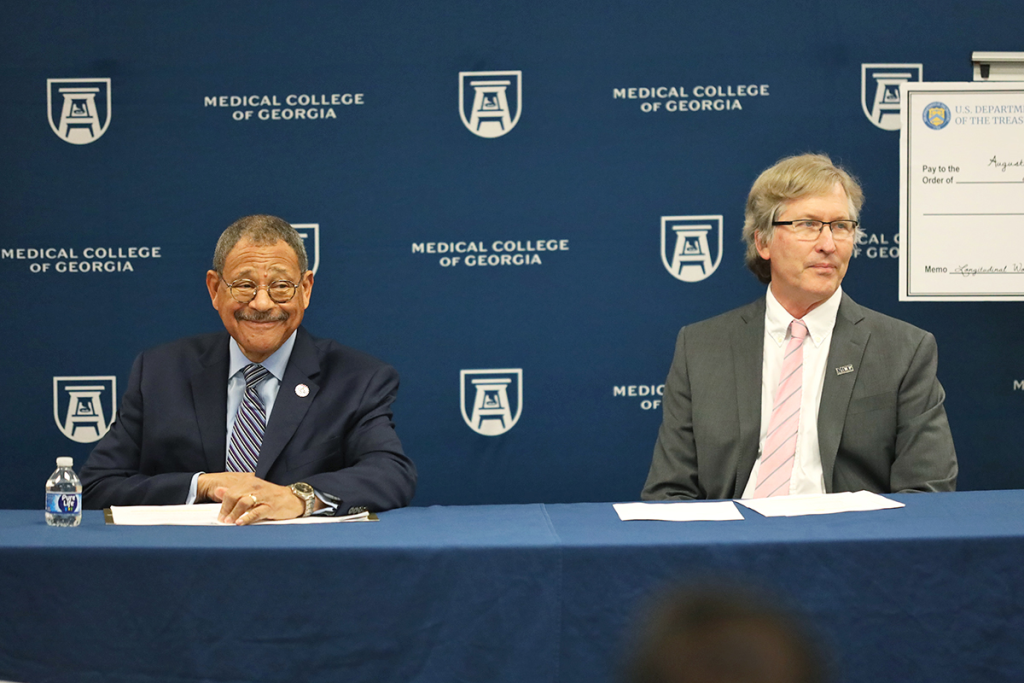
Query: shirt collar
x=275, y=364
x=819, y=321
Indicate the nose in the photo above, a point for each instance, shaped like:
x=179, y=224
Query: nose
x=826, y=241
x=262, y=300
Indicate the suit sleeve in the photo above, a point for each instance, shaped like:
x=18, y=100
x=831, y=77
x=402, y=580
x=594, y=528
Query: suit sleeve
x=673, y=473
x=925, y=458
x=377, y=474
x=113, y=474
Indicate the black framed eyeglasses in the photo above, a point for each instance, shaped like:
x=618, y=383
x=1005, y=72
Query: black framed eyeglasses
x=244, y=291
x=807, y=230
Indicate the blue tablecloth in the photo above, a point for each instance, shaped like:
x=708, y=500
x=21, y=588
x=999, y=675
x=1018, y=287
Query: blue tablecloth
x=933, y=591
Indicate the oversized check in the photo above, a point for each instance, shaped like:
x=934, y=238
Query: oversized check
x=962, y=192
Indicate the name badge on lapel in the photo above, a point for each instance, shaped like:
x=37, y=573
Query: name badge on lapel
x=846, y=369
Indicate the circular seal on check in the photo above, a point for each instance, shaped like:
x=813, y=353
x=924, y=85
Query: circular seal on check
x=936, y=116
x=301, y=390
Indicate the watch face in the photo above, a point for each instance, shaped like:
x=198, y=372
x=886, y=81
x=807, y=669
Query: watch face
x=304, y=492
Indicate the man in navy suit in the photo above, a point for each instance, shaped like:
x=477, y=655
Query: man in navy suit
x=329, y=445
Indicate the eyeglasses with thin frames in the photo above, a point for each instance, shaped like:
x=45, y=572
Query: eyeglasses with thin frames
x=244, y=291
x=807, y=230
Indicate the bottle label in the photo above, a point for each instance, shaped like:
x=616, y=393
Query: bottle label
x=64, y=503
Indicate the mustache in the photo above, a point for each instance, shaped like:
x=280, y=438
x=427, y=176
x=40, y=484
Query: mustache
x=261, y=316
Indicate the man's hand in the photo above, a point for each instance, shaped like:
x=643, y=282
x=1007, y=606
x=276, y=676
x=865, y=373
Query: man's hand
x=245, y=499
x=208, y=483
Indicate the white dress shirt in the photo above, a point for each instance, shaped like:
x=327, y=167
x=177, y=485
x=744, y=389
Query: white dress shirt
x=807, y=474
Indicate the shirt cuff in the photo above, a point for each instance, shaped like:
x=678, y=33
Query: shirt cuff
x=192, y=488
x=330, y=503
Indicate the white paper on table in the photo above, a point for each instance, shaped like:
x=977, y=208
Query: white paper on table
x=204, y=514
x=825, y=504
x=683, y=511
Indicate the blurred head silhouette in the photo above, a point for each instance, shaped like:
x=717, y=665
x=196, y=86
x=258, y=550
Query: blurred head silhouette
x=723, y=635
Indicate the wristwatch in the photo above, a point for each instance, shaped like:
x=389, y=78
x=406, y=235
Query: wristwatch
x=304, y=492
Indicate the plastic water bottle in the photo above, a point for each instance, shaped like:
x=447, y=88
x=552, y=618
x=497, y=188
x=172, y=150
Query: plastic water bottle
x=64, y=495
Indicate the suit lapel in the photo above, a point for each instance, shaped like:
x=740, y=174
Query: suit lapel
x=846, y=350
x=748, y=352
x=289, y=407
x=209, y=394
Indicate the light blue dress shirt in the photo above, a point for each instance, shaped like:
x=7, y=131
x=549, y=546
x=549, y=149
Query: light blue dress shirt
x=267, y=389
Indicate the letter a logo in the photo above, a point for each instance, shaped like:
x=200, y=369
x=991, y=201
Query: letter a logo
x=84, y=407
x=310, y=234
x=491, y=400
x=880, y=91
x=490, y=102
x=691, y=246
x=78, y=108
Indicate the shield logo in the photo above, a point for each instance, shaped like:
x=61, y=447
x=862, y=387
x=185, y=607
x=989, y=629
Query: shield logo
x=310, y=234
x=880, y=91
x=490, y=102
x=936, y=116
x=84, y=407
x=691, y=246
x=78, y=108
x=491, y=400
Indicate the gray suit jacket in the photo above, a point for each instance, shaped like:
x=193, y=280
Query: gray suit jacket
x=881, y=427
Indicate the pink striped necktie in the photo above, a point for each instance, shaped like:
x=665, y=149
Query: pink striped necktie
x=779, y=450
x=250, y=423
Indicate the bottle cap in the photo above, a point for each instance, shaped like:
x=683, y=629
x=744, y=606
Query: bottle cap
x=65, y=462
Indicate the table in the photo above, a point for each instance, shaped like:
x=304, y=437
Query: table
x=539, y=593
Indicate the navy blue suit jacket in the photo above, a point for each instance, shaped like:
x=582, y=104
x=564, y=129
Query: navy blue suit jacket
x=339, y=438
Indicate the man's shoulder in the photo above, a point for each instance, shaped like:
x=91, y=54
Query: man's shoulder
x=174, y=363
x=878, y=322
x=724, y=323
x=194, y=346
x=334, y=355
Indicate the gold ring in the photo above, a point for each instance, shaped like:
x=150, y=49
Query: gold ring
x=254, y=501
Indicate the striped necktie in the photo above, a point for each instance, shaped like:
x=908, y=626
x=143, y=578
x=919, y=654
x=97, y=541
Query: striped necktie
x=779, y=450
x=250, y=422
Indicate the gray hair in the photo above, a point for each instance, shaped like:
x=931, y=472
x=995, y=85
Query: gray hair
x=806, y=175
x=263, y=231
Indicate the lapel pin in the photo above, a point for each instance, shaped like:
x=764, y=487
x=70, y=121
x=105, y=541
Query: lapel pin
x=301, y=390
x=839, y=371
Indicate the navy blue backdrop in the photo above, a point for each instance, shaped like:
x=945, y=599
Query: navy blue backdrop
x=532, y=195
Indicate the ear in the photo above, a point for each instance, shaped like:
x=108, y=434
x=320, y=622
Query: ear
x=763, y=249
x=213, y=285
x=307, y=288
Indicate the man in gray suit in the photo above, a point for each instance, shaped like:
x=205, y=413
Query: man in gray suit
x=852, y=403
